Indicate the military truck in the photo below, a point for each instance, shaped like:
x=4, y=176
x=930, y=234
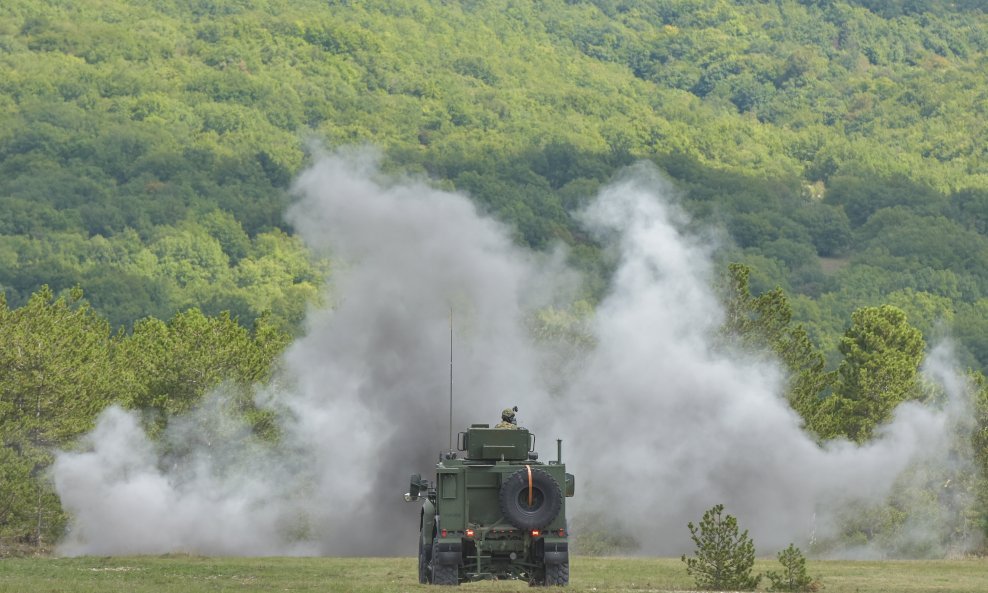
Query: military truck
x=496, y=512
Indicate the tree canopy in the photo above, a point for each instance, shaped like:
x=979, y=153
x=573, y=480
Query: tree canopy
x=828, y=138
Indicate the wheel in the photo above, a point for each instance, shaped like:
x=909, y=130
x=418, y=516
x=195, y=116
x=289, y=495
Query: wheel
x=424, y=575
x=557, y=574
x=444, y=574
x=530, y=500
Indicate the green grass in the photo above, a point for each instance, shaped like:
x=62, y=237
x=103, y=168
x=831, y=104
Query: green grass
x=190, y=574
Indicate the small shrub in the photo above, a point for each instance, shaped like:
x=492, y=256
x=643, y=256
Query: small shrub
x=724, y=557
x=793, y=576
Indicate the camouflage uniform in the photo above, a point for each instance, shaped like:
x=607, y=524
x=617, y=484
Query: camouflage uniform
x=507, y=419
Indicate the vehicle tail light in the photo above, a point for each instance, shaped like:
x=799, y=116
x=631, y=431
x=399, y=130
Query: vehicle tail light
x=562, y=532
x=443, y=532
x=469, y=532
x=536, y=533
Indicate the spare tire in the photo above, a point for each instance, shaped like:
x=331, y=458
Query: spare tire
x=537, y=488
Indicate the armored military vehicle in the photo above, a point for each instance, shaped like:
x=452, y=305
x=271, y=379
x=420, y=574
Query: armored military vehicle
x=496, y=512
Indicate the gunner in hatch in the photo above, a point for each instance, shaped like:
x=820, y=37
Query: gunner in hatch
x=508, y=419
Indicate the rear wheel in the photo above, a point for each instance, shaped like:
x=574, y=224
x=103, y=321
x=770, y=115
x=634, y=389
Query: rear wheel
x=557, y=574
x=444, y=574
x=424, y=576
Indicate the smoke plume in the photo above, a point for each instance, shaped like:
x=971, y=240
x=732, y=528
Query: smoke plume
x=659, y=423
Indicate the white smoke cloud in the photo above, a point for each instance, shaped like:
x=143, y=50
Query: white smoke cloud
x=660, y=424
x=123, y=502
x=362, y=402
x=670, y=426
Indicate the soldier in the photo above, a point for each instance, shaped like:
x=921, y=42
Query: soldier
x=508, y=419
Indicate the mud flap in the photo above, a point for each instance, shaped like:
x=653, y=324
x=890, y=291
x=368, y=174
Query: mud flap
x=556, y=552
x=448, y=553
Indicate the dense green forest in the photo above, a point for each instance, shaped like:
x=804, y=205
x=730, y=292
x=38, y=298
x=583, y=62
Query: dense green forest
x=147, y=150
x=842, y=144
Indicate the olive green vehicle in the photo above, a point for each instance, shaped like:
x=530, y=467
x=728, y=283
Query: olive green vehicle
x=495, y=513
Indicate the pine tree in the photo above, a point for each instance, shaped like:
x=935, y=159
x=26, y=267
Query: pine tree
x=764, y=323
x=882, y=355
x=56, y=355
x=793, y=576
x=724, y=557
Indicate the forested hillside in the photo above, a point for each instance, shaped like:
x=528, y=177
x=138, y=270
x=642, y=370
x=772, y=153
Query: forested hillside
x=147, y=150
x=842, y=144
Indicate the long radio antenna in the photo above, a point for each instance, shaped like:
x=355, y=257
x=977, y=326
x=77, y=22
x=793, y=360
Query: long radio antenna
x=451, y=378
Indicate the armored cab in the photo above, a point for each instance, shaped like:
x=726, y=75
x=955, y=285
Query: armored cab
x=496, y=512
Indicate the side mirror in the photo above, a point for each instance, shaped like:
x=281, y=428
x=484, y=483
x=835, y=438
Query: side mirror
x=462, y=441
x=415, y=486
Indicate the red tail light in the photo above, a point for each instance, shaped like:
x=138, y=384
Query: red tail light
x=469, y=532
x=536, y=533
x=562, y=532
x=443, y=532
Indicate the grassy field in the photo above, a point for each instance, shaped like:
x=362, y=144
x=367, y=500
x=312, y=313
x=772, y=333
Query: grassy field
x=190, y=574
